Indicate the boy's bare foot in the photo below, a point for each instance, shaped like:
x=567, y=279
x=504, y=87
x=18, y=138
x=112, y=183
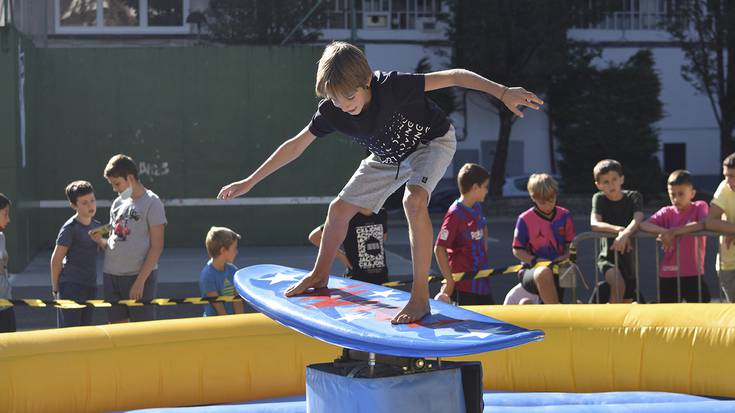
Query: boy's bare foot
x=310, y=281
x=414, y=310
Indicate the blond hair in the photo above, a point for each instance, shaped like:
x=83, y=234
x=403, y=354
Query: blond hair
x=218, y=238
x=542, y=187
x=342, y=69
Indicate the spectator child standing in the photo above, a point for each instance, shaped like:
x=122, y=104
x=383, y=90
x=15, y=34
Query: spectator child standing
x=218, y=276
x=137, y=220
x=74, y=260
x=364, y=246
x=618, y=212
x=683, y=262
x=462, y=242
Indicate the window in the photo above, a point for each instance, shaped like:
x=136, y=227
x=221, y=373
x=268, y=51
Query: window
x=381, y=14
x=121, y=16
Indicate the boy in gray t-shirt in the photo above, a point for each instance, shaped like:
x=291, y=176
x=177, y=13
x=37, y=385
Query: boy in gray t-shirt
x=137, y=220
x=7, y=314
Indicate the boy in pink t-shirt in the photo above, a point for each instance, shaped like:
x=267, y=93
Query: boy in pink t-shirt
x=682, y=217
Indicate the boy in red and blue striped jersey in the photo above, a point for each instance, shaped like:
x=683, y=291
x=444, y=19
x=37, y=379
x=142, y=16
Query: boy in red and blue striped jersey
x=462, y=242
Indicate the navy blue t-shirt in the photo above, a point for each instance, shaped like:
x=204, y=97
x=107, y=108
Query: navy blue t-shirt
x=80, y=263
x=398, y=117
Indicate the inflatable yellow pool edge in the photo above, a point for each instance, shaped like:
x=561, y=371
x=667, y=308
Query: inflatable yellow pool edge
x=685, y=348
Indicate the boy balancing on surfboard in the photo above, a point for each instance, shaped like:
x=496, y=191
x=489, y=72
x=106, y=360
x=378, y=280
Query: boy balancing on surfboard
x=410, y=139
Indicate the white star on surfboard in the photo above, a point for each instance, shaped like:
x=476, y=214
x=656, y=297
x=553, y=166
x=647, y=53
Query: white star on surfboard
x=280, y=277
x=384, y=294
x=478, y=334
x=353, y=317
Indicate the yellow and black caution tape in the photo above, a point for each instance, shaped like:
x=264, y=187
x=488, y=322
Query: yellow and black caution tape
x=476, y=275
x=71, y=304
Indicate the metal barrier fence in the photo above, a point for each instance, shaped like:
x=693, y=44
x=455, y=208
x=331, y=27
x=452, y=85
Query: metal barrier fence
x=699, y=258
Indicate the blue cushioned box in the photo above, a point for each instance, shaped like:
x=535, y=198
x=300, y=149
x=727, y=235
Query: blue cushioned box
x=434, y=391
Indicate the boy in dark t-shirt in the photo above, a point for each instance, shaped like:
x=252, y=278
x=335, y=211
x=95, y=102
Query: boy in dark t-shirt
x=619, y=212
x=411, y=141
x=364, y=249
x=74, y=260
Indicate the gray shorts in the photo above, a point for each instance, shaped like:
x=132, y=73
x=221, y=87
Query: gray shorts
x=374, y=182
x=117, y=287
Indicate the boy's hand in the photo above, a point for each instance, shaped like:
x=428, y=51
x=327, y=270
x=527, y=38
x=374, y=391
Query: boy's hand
x=97, y=237
x=729, y=240
x=446, y=291
x=443, y=297
x=235, y=189
x=517, y=96
x=136, y=291
x=667, y=239
x=622, y=243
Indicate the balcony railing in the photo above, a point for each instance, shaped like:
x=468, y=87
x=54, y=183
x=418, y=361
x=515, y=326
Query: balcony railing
x=385, y=14
x=628, y=14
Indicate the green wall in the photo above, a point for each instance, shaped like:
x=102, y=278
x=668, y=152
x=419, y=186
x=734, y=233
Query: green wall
x=197, y=117
x=16, y=181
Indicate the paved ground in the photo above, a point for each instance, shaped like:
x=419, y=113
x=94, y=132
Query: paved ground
x=179, y=269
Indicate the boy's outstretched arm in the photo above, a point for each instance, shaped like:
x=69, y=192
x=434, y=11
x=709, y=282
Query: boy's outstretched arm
x=287, y=152
x=512, y=97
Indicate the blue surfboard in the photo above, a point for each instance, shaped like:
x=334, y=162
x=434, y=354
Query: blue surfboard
x=356, y=315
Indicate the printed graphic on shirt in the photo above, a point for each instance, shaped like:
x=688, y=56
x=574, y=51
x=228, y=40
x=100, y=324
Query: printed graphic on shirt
x=396, y=140
x=444, y=234
x=228, y=288
x=476, y=235
x=369, y=246
x=121, y=227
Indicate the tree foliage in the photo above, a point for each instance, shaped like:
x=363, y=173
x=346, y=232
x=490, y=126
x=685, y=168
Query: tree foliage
x=608, y=113
x=706, y=31
x=260, y=21
x=513, y=42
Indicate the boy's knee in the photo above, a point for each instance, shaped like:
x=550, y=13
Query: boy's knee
x=340, y=208
x=415, y=199
x=543, y=275
x=613, y=273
